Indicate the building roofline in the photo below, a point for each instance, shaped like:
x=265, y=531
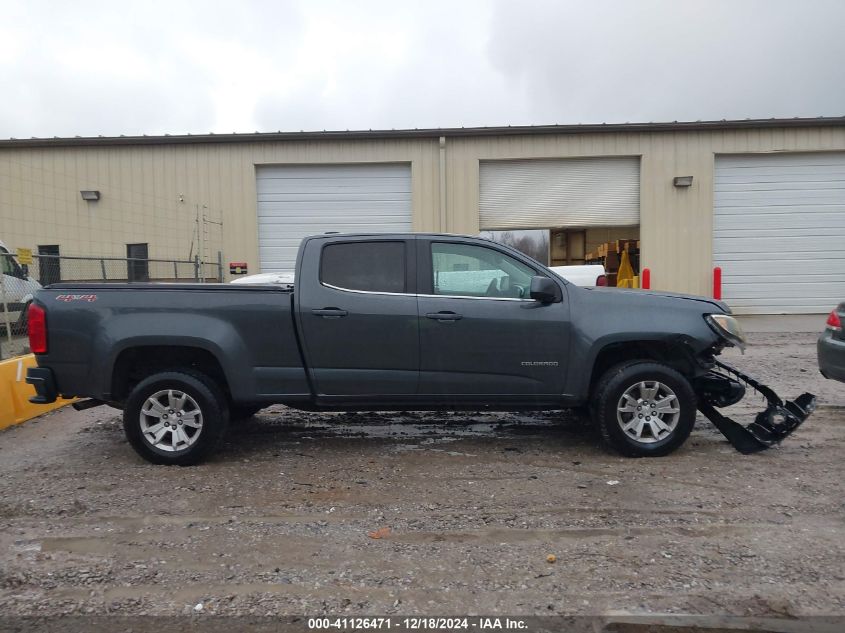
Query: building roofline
x=347, y=135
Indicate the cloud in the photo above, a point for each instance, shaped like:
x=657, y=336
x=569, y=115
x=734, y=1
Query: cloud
x=655, y=60
x=89, y=68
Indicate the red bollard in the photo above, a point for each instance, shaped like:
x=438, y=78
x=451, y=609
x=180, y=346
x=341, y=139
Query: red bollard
x=645, y=279
x=717, y=283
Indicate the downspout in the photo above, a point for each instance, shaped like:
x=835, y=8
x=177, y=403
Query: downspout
x=443, y=220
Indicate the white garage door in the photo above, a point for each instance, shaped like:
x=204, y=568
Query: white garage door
x=570, y=192
x=295, y=201
x=779, y=232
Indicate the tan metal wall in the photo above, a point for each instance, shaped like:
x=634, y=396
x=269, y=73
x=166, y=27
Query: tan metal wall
x=149, y=193
x=141, y=187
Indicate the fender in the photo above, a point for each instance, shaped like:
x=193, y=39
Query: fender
x=216, y=336
x=678, y=347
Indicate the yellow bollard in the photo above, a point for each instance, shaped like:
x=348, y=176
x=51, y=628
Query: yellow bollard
x=15, y=406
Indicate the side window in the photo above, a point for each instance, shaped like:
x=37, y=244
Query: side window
x=478, y=271
x=371, y=266
x=6, y=262
x=9, y=265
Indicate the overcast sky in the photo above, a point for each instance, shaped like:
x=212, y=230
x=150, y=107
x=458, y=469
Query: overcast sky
x=122, y=67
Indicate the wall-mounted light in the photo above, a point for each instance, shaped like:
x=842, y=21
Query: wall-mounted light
x=682, y=181
x=90, y=195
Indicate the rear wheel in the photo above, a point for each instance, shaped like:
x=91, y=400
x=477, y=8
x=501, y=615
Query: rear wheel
x=644, y=409
x=175, y=417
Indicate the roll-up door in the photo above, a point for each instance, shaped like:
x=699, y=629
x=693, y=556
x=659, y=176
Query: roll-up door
x=570, y=192
x=779, y=232
x=295, y=201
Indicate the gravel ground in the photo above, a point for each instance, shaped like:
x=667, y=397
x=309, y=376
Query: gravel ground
x=467, y=509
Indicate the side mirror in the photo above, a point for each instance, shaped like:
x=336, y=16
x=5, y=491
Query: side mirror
x=544, y=289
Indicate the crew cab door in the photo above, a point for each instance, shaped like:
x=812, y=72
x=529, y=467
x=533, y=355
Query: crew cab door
x=358, y=317
x=481, y=336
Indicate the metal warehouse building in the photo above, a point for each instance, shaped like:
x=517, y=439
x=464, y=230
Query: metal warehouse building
x=766, y=200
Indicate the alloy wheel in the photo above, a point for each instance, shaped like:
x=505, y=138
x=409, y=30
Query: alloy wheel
x=171, y=420
x=648, y=411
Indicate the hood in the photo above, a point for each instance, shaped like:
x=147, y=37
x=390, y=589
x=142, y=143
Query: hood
x=665, y=295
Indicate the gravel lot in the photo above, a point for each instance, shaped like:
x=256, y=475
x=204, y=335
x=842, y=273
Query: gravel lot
x=468, y=506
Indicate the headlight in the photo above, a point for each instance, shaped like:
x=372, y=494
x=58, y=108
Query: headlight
x=728, y=328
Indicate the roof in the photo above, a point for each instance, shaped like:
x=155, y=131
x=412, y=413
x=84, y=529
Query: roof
x=346, y=135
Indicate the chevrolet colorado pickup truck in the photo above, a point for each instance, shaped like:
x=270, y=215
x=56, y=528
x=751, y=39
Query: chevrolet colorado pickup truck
x=396, y=322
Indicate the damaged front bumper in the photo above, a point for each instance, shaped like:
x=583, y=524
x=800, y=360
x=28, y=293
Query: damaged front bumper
x=725, y=386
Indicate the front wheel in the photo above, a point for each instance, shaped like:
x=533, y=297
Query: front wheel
x=175, y=417
x=644, y=409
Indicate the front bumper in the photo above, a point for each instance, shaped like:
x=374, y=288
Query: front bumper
x=775, y=423
x=831, y=353
x=45, y=385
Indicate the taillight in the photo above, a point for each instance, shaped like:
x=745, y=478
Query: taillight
x=601, y=280
x=833, y=321
x=37, y=321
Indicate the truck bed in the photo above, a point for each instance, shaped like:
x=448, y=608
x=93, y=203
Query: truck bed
x=252, y=327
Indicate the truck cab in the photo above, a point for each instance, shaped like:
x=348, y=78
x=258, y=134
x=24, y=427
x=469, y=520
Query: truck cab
x=16, y=292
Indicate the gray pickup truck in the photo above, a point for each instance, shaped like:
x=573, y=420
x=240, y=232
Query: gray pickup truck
x=396, y=322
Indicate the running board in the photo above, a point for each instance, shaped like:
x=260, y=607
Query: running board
x=771, y=426
x=81, y=405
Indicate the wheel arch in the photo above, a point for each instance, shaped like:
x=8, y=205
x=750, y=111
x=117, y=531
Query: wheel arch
x=136, y=362
x=675, y=352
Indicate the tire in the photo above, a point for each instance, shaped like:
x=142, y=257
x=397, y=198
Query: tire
x=204, y=404
x=239, y=413
x=625, y=396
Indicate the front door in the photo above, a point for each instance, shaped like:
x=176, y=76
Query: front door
x=481, y=337
x=359, y=321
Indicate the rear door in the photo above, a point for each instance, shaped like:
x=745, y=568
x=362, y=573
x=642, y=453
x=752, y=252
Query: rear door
x=358, y=314
x=481, y=336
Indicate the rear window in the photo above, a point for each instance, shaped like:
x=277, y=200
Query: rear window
x=370, y=266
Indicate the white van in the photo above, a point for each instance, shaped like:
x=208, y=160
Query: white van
x=16, y=293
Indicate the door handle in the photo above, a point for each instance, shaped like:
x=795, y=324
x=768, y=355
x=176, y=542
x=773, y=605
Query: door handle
x=330, y=313
x=444, y=316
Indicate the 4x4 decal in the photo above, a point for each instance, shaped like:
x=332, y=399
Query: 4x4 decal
x=88, y=298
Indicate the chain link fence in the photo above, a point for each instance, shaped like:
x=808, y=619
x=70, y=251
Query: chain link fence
x=21, y=281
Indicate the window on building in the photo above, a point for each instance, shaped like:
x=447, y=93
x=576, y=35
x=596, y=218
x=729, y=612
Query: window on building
x=477, y=271
x=49, y=264
x=138, y=268
x=377, y=266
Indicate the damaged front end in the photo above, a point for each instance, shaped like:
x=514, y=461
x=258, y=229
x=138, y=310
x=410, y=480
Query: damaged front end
x=725, y=385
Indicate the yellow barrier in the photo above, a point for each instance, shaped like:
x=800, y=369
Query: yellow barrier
x=15, y=406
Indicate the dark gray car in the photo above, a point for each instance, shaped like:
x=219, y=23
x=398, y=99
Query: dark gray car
x=831, y=346
x=397, y=322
